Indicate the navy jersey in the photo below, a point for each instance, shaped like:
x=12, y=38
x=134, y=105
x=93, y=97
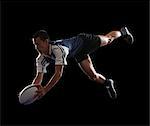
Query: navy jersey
x=74, y=44
x=78, y=47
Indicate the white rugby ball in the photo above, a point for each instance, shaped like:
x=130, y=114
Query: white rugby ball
x=27, y=95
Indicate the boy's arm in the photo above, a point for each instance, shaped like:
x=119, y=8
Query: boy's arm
x=38, y=78
x=55, y=78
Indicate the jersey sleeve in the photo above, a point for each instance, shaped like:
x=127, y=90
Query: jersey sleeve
x=41, y=64
x=60, y=53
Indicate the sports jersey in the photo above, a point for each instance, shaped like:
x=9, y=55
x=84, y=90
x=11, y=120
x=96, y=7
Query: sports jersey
x=78, y=47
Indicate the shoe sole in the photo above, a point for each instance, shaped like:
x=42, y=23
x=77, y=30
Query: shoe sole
x=112, y=86
x=130, y=35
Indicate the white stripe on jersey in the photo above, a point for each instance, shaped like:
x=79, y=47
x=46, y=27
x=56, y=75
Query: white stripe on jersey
x=41, y=64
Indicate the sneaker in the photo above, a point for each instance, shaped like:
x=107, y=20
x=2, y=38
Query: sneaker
x=109, y=84
x=128, y=37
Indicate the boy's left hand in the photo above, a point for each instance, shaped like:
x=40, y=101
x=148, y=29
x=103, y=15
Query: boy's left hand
x=40, y=92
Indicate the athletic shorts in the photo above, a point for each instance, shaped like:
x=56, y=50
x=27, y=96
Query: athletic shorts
x=90, y=44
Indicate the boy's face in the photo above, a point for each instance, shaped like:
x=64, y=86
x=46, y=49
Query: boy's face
x=39, y=44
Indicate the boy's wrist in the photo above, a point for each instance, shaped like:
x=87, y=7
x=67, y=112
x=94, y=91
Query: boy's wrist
x=46, y=89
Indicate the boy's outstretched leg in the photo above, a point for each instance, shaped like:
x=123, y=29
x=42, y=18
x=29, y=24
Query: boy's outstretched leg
x=111, y=36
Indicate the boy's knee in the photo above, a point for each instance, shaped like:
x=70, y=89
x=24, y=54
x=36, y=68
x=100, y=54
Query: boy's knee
x=93, y=77
x=104, y=40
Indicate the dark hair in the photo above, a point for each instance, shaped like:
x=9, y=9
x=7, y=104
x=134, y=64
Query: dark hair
x=42, y=34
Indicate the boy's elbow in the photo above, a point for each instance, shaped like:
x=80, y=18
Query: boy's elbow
x=59, y=74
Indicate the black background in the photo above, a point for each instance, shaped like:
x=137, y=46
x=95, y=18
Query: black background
x=75, y=99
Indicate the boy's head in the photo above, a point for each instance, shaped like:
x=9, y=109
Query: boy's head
x=40, y=40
